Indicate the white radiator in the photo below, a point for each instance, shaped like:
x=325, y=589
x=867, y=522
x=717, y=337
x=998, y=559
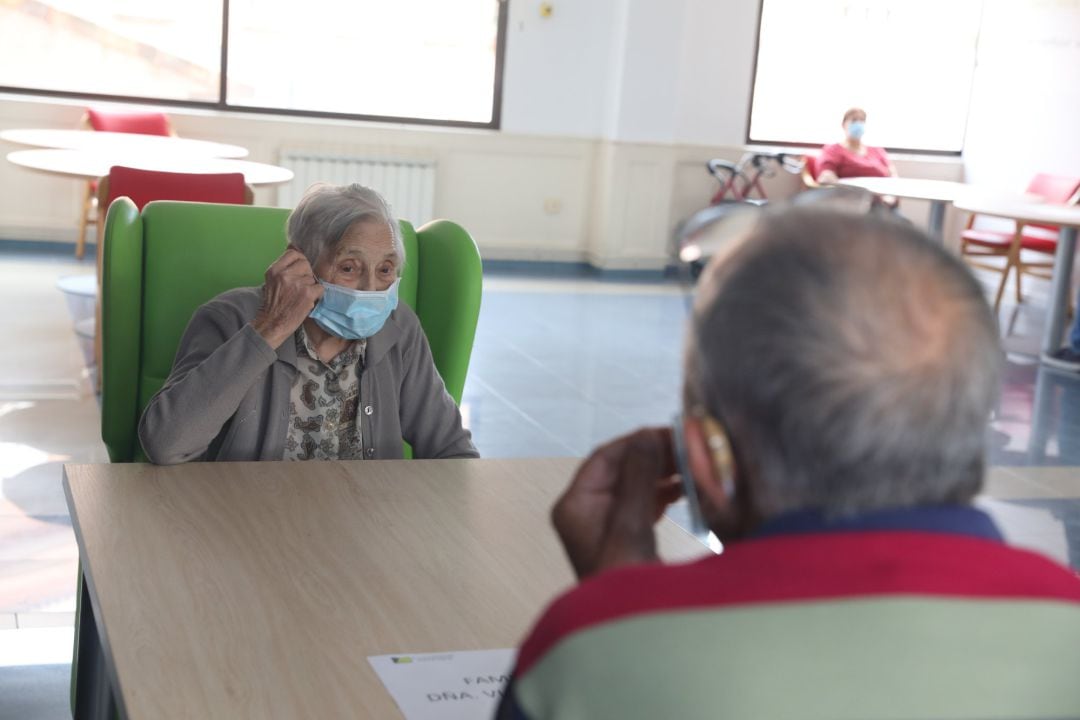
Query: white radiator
x=407, y=184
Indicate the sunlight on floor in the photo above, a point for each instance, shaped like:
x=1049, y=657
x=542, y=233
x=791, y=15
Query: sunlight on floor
x=16, y=458
x=36, y=646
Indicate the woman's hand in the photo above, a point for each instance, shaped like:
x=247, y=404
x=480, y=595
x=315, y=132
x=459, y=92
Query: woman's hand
x=605, y=518
x=827, y=177
x=289, y=295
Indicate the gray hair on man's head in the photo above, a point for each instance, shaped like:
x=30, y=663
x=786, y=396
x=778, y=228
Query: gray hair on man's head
x=853, y=360
x=326, y=211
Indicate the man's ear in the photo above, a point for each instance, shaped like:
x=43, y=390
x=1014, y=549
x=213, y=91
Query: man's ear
x=714, y=482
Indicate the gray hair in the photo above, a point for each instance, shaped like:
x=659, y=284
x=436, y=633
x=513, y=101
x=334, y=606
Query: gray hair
x=853, y=360
x=326, y=211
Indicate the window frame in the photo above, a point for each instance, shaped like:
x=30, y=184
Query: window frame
x=221, y=105
x=789, y=143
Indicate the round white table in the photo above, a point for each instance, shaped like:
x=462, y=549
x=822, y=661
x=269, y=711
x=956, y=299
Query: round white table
x=938, y=192
x=92, y=165
x=1067, y=218
x=123, y=143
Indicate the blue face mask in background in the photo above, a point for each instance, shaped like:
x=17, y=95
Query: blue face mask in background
x=855, y=129
x=354, y=314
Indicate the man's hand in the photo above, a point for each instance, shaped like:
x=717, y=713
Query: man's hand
x=289, y=294
x=605, y=518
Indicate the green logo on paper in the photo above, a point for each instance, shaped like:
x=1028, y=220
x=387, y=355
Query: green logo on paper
x=401, y=660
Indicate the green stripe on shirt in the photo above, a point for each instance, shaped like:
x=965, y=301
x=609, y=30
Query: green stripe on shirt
x=883, y=657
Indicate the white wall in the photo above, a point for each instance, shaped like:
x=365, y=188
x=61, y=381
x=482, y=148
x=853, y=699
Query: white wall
x=582, y=168
x=716, y=72
x=1025, y=106
x=647, y=102
x=558, y=70
x=611, y=108
x=654, y=71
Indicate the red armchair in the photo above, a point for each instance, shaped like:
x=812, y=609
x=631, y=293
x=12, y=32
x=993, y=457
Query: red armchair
x=978, y=244
x=144, y=186
x=142, y=123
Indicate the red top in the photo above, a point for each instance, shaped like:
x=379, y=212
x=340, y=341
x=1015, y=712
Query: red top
x=843, y=162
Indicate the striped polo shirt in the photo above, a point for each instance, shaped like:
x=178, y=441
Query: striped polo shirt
x=915, y=613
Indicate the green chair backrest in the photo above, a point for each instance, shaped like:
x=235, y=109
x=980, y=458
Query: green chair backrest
x=161, y=265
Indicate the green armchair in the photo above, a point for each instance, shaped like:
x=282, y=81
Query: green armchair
x=164, y=263
x=160, y=265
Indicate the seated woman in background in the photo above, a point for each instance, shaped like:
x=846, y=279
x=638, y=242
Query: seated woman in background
x=320, y=363
x=852, y=158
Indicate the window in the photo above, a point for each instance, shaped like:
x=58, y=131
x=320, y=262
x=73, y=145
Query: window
x=411, y=60
x=134, y=48
x=908, y=63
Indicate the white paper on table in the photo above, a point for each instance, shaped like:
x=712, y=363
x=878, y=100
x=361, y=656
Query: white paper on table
x=446, y=686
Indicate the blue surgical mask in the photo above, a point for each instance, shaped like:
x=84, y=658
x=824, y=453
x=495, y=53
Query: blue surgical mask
x=354, y=314
x=855, y=129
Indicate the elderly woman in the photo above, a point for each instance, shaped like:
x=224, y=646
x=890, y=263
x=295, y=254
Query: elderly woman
x=320, y=363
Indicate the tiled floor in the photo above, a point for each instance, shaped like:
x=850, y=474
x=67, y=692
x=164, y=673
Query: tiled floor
x=48, y=415
x=558, y=367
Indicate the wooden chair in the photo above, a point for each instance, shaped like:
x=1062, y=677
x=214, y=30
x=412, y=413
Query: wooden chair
x=977, y=245
x=144, y=186
x=144, y=123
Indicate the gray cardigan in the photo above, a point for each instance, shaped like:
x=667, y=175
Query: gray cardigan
x=227, y=397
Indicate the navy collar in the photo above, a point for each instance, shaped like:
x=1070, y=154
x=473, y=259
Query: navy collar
x=951, y=519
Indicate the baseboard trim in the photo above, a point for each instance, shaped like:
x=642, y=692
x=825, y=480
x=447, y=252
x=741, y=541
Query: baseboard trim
x=48, y=247
x=574, y=270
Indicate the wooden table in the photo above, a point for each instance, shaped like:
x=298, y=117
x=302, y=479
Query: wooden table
x=259, y=589
x=113, y=142
x=91, y=165
x=938, y=192
x=1067, y=218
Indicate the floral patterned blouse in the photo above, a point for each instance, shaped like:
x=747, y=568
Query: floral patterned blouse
x=323, y=404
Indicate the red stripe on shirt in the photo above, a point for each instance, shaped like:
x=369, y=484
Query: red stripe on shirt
x=802, y=568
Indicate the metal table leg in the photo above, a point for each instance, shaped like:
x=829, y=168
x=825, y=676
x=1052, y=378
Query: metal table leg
x=93, y=691
x=1059, y=290
x=1041, y=421
x=936, y=224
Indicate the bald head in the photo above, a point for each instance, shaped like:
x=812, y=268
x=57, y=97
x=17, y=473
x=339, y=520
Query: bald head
x=854, y=361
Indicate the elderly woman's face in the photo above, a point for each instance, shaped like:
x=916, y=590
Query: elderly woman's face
x=365, y=259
